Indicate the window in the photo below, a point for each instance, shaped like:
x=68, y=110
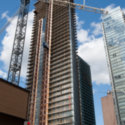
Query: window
x=121, y=41
x=114, y=55
x=107, y=19
x=111, y=43
x=119, y=29
x=108, y=28
x=118, y=77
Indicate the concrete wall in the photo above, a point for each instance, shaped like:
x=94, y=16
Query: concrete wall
x=108, y=110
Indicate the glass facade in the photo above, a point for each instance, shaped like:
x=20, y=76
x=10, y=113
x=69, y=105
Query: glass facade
x=114, y=36
x=86, y=94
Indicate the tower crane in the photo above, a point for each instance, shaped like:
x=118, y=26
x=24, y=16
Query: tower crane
x=18, y=45
x=77, y=6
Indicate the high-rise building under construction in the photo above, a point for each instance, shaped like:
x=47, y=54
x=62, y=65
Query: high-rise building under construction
x=53, y=69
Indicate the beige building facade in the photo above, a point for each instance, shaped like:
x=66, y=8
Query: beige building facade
x=108, y=110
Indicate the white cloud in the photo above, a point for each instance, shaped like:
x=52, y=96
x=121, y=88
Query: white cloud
x=79, y=23
x=110, y=7
x=81, y=31
x=97, y=28
x=5, y=15
x=7, y=44
x=92, y=51
x=3, y=74
x=82, y=35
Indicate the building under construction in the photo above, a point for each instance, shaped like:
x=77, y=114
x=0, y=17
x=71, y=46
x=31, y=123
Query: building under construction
x=53, y=69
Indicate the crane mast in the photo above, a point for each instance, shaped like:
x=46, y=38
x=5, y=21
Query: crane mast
x=18, y=45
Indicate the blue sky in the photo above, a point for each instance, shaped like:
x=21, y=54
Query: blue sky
x=91, y=47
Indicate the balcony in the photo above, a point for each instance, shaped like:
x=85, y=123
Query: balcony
x=60, y=87
x=60, y=115
x=59, y=99
x=66, y=121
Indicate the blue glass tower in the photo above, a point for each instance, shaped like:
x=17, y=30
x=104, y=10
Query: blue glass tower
x=114, y=36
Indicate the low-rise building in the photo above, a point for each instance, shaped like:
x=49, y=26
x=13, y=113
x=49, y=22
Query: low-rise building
x=108, y=110
x=13, y=104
